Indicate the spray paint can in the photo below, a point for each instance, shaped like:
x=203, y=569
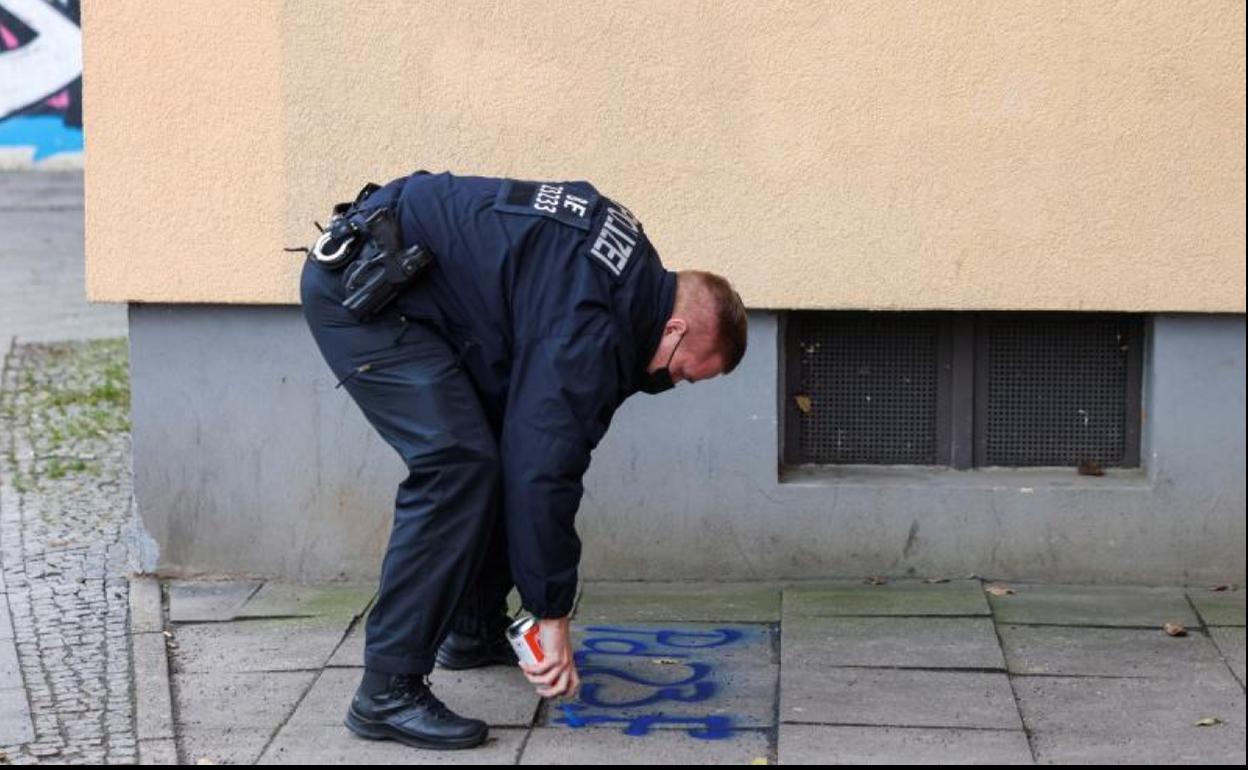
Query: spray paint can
x=525, y=638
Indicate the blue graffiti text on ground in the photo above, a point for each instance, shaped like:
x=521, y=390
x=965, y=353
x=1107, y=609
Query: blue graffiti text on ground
x=605, y=656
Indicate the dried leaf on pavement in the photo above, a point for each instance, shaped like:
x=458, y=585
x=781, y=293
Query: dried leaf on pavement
x=1209, y=722
x=803, y=402
x=1174, y=629
x=999, y=590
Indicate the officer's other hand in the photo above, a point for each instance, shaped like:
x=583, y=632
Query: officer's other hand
x=557, y=671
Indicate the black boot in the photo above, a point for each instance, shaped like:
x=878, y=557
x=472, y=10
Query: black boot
x=401, y=707
x=482, y=644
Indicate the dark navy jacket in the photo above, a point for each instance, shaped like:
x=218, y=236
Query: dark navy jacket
x=556, y=301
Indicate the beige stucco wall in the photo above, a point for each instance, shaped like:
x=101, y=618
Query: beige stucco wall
x=1083, y=155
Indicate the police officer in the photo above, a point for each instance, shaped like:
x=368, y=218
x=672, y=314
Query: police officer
x=494, y=376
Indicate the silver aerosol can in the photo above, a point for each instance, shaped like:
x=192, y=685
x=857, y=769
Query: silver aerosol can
x=525, y=638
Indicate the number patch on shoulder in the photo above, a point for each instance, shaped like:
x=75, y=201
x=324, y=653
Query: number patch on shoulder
x=571, y=203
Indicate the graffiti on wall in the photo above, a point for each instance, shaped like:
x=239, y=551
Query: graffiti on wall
x=40, y=81
x=615, y=690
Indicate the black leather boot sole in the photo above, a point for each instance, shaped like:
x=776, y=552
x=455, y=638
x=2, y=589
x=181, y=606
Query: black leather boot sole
x=382, y=731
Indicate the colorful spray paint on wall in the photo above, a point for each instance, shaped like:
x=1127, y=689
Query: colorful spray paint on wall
x=642, y=677
x=40, y=84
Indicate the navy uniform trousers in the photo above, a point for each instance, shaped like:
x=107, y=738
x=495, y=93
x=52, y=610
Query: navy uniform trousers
x=446, y=564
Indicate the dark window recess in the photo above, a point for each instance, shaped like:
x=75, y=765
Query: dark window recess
x=963, y=389
x=867, y=387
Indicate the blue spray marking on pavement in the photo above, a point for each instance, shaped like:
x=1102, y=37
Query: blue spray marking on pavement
x=606, y=644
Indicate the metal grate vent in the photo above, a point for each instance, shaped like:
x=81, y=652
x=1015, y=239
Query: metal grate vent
x=867, y=389
x=1054, y=389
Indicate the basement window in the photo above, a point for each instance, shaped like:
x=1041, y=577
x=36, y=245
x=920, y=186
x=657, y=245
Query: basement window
x=964, y=390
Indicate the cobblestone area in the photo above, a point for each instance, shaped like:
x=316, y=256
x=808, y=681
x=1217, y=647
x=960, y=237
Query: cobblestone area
x=64, y=528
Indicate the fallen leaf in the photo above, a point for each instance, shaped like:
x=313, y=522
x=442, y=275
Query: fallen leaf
x=803, y=402
x=936, y=580
x=999, y=590
x=875, y=580
x=1175, y=629
x=1209, y=722
x=1091, y=468
x=57, y=543
x=168, y=634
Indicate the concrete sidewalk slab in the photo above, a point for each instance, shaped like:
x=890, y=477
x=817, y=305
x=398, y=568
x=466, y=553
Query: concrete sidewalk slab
x=812, y=644
x=1219, y=608
x=1132, y=721
x=315, y=745
x=852, y=745
x=897, y=697
x=686, y=671
x=228, y=718
x=193, y=601
x=224, y=700
x=1230, y=642
x=498, y=694
x=601, y=746
x=679, y=602
x=337, y=601
x=238, y=745
x=902, y=597
x=1078, y=605
x=256, y=645
x=1075, y=651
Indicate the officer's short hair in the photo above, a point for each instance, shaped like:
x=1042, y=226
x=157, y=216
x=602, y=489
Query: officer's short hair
x=730, y=318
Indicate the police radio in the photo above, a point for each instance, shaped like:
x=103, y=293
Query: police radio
x=382, y=268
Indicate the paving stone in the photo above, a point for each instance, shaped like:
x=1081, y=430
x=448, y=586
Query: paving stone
x=1219, y=608
x=145, y=605
x=897, y=697
x=15, y=725
x=6, y=623
x=1230, y=642
x=154, y=715
x=222, y=700
x=1076, y=605
x=10, y=670
x=901, y=597
x=608, y=746
x=1132, y=721
x=684, y=670
x=255, y=645
x=815, y=643
x=853, y=745
x=158, y=751
x=679, y=602
x=351, y=651
x=498, y=694
x=340, y=601
x=208, y=600
x=1075, y=651
x=319, y=745
x=238, y=745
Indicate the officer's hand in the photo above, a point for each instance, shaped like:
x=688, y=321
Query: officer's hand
x=557, y=671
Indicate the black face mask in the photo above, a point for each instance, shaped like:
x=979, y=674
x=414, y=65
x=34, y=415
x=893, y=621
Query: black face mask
x=661, y=379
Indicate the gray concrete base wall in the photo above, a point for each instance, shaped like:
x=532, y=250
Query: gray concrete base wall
x=247, y=460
